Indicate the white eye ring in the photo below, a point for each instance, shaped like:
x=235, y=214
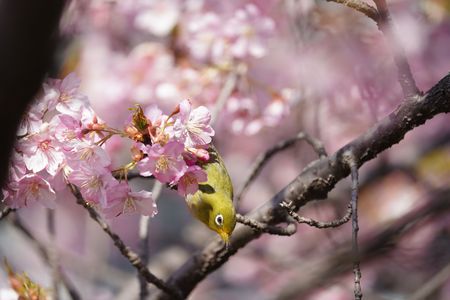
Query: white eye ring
x=219, y=220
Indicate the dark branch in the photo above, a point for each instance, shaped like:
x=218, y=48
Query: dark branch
x=317, y=179
x=318, y=224
x=355, y=226
x=5, y=212
x=131, y=256
x=264, y=158
x=261, y=227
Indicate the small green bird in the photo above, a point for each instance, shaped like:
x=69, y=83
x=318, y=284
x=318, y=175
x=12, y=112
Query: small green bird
x=213, y=202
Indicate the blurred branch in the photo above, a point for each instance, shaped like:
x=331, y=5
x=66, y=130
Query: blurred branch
x=318, y=224
x=143, y=241
x=313, y=272
x=43, y=250
x=429, y=287
x=385, y=24
x=52, y=252
x=264, y=158
x=225, y=93
x=316, y=180
x=130, y=255
x=5, y=212
x=261, y=227
x=360, y=6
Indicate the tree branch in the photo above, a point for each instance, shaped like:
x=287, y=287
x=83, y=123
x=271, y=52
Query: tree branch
x=360, y=6
x=261, y=227
x=317, y=179
x=5, y=212
x=385, y=24
x=318, y=224
x=355, y=227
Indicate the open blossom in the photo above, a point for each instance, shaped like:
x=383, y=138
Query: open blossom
x=192, y=125
x=68, y=130
x=188, y=183
x=41, y=151
x=63, y=95
x=92, y=182
x=166, y=162
x=122, y=200
x=87, y=153
x=32, y=188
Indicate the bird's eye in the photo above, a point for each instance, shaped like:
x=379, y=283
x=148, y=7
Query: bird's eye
x=219, y=220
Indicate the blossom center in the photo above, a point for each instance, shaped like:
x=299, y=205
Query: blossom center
x=63, y=97
x=162, y=165
x=94, y=183
x=34, y=189
x=129, y=205
x=189, y=179
x=44, y=145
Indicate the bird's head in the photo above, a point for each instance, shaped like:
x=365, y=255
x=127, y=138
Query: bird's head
x=222, y=216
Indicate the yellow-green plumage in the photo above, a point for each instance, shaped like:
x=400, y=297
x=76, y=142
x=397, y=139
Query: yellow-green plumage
x=213, y=202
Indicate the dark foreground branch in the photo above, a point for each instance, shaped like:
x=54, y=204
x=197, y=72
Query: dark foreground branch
x=317, y=179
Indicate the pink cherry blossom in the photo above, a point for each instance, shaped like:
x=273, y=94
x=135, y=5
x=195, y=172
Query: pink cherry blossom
x=63, y=95
x=188, y=183
x=92, y=182
x=192, y=126
x=164, y=162
x=122, y=200
x=42, y=151
x=87, y=153
x=29, y=124
x=67, y=130
x=32, y=188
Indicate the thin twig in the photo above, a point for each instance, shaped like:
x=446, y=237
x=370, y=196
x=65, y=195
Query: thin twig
x=290, y=229
x=53, y=253
x=315, y=223
x=130, y=255
x=264, y=158
x=405, y=77
x=355, y=227
x=360, y=6
x=225, y=93
x=5, y=212
x=143, y=242
x=73, y=293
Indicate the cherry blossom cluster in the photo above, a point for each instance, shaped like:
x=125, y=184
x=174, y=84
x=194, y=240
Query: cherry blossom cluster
x=186, y=49
x=62, y=141
x=221, y=39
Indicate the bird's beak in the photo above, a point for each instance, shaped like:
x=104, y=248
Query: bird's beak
x=225, y=236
